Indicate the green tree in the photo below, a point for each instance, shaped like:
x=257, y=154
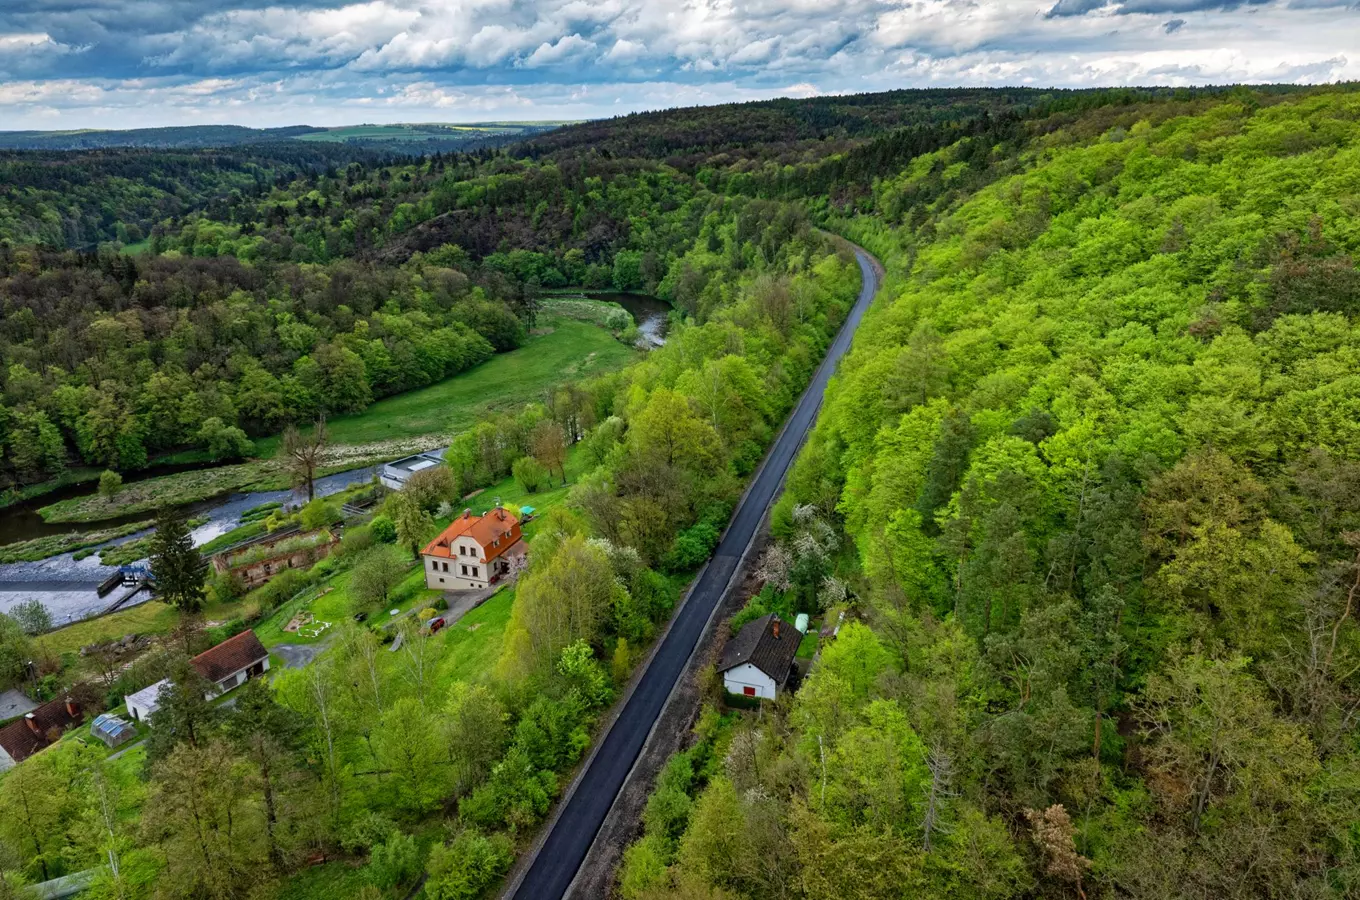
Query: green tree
x=177, y=567
x=110, y=483
x=16, y=650
x=376, y=573
x=413, y=523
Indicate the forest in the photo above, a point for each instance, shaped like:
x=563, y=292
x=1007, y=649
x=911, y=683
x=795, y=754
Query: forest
x=1084, y=498
x=1088, y=486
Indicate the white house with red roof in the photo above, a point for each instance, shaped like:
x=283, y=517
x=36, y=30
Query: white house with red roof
x=474, y=552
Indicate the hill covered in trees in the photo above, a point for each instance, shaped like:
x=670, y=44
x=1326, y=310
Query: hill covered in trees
x=1090, y=478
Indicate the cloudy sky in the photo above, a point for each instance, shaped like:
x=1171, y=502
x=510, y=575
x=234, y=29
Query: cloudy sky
x=127, y=63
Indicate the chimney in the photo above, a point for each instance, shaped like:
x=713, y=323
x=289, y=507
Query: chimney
x=71, y=709
x=33, y=724
x=467, y=512
x=776, y=629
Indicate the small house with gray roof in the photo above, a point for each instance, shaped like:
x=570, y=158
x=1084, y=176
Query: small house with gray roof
x=759, y=660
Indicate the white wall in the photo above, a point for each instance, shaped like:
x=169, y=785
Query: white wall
x=436, y=579
x=746, y=675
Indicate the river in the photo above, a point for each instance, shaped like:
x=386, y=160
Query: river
x=651, y=314
x=66, y=585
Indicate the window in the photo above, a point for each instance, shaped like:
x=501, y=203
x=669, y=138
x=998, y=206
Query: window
x=441, y=580
x=446, y=567
x=464, y=570
x=474, y=571
x=462, y=551
x=749, y=691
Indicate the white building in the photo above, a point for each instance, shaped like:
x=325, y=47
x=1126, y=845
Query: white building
x=395, y=474
x=146, y=701
x=474, y=552
x=758, y=661
x=227, y=666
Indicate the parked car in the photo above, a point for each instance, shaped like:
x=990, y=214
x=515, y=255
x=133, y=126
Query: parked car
x=436, y=624
x=361, y=617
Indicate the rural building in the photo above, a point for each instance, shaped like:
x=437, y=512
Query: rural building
x=146, y=701
x=395, y=474
x=37, y=730
x=758, y=661
x=258, y=560
x=474, y=551
x=227, y=666
x=112, y=730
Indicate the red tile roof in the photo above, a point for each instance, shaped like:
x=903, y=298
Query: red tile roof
x=499, y=525
x=21, y=740
x=230, y=657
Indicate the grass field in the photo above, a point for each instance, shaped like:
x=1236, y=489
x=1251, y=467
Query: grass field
x=563, y=350
x=151, y=617
x=567, y=350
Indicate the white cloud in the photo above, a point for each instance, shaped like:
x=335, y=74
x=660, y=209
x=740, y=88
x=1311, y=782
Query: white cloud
x=157, y=61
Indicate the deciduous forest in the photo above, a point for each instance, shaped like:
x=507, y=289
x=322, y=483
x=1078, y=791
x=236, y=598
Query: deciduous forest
x=1080, y=518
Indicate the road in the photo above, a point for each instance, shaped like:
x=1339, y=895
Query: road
x=562, y=853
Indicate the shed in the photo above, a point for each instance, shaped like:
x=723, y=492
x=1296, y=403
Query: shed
x=759, y=660
x=144, y=703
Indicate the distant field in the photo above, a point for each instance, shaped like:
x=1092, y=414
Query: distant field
x=571, y=350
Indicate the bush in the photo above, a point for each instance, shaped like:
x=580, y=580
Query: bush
x=463, y=870
x=395, y=861
x=530, y=473
x=281, y=588
x=225, y=587
x=367, y=831
x=644, y=867
x=318, y=514
x=382, y=529
x=516, y=794
x=110, y=483
x=667, y=810
x=692, y=546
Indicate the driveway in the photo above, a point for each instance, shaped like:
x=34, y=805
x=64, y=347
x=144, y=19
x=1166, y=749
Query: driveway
x=557, y=859
x=296, y=656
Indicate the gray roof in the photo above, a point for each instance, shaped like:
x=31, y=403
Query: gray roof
x=149, y=696
x=416, y=463
x=769, y=643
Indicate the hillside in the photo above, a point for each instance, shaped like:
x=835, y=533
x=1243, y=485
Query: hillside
x=1090, y=480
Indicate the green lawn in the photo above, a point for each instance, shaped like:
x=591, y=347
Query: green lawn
x=569, y=350
x=473, y=644
x=151, y=617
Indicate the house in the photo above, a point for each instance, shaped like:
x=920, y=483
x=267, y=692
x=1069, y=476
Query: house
x=257, y=560
x=233, y=662
x=37, y=730
x=759, y=660
x=395, y=474
x=474, y=551
x=112, y=730
x=227, y=666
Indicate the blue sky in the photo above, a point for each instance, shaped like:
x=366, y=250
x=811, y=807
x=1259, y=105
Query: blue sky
x=129, y=63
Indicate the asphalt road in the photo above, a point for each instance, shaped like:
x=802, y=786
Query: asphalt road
x=566, y=846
